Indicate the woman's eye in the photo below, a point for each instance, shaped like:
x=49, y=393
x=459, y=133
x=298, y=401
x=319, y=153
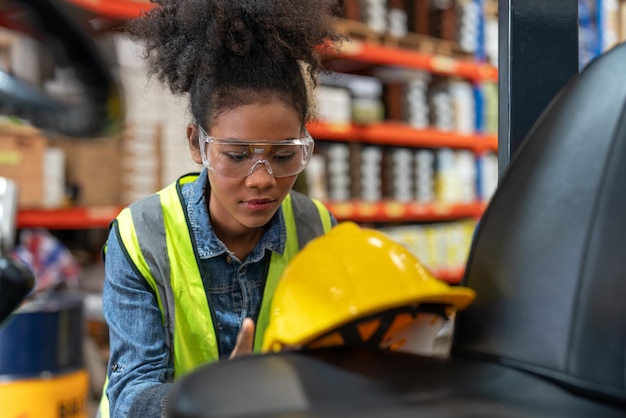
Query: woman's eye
x=237, y=156
x=284, y=156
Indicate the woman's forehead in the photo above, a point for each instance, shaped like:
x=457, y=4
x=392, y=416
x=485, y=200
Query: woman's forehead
x=273, y=120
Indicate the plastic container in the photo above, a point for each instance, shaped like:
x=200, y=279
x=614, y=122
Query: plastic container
x=43, y=337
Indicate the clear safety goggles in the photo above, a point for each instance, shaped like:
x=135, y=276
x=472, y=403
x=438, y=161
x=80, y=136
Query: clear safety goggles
x=239, y=158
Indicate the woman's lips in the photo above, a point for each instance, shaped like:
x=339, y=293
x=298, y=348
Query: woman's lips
x=258, y=204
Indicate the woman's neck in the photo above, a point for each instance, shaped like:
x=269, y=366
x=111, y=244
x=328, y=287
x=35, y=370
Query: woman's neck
x=240, y=244
x=239, y=239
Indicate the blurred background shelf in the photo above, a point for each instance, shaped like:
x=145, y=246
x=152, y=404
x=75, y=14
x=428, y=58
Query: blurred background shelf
x=70, y=218
x=121, y=9
x=401, y=134
x=355, y=210
x=372, y=53
x=393, y=211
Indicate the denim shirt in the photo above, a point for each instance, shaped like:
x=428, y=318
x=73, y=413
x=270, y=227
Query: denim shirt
x=139, y=361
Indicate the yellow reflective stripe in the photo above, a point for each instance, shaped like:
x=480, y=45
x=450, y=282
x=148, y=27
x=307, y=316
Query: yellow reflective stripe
x=130, y=242
x=278, y=263
x=188, y=178
x=103, y=408
x=195, y=342
x=128, y=234
x=291, y=246
x=324, y=215
x=129, y=239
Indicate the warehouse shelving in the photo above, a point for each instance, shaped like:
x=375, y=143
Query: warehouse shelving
x=364, y=53
x=356, y=53
x=385, y=133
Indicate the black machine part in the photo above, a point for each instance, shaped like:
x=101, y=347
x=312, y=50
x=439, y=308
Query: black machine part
x=352, y=382
x=16, y=282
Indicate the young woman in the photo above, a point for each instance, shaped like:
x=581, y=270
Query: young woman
x=190, y=271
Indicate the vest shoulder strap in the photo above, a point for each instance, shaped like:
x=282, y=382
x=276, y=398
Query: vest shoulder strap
x=311, y=217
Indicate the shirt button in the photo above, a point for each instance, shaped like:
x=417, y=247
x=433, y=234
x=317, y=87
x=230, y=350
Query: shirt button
x=228, y=259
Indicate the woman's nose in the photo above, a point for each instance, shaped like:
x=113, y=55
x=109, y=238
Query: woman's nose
x=258, y=163
x=260, y=175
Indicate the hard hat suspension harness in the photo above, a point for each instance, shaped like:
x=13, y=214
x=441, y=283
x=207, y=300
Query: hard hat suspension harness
x=371, y=330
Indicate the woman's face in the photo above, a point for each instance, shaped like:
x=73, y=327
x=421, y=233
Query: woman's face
x=241, y=204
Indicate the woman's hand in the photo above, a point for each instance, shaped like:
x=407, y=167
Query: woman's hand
x=245, y=339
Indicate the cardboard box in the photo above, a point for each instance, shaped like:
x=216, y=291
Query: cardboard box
x=93, y=168
x=21, y=160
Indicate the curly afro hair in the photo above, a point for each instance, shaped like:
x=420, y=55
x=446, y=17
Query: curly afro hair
x=228, y=53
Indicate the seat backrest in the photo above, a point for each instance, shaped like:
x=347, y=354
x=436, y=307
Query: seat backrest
x=548, y=261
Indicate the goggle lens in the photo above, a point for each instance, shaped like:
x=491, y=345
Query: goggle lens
x=235, y=158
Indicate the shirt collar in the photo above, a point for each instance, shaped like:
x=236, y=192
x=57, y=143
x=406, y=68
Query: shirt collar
x=208, y=245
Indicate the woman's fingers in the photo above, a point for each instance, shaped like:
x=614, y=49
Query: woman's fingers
x=245, y=339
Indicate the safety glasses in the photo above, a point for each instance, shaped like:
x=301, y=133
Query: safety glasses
x=240, y=158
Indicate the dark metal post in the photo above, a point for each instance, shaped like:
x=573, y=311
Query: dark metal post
x=538, y=54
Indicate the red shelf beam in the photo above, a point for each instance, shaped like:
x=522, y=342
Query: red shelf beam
x=358, y=211
x=120, y=9
x=391, y=211
x=72, y=218
x=373, y=53
x=393, y=133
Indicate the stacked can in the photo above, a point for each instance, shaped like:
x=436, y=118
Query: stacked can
x=416, y=101
x=487, y=175
x=492, y=33
x=338, y=166
x=465, y=167
x=446, y=176
x=397, y=21
x=371, y=176
x=350, y=97
x=441, y=110
x=464, y=106
x=469, y=16
x=401, y=173
x=490, y=108
x=406, y=94
x=316, y=177
x=334, y=104
x=374, y=14
x=424, y=176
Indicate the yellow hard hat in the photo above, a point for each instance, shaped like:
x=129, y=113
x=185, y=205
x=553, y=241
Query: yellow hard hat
x=349, y=274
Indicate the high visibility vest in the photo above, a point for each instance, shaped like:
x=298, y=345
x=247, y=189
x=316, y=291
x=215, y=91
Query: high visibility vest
x=168, y=261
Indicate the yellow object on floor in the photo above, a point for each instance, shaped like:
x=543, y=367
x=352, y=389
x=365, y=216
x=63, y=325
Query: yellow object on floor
x=61, y=396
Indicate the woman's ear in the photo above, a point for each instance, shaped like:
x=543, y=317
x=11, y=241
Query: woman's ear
x=194, y=146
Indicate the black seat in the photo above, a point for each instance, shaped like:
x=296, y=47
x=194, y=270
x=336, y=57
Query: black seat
x=546, y=336
x=549, y=260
